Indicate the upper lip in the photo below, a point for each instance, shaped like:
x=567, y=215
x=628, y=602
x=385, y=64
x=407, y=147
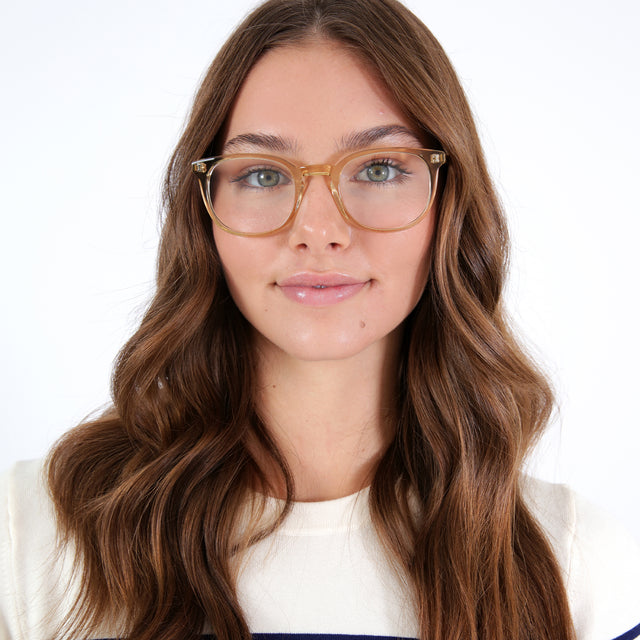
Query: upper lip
x=308, y=279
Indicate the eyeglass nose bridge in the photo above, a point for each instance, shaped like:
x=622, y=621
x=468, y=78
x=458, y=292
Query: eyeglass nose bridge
x=316, y=170
x=325, y=170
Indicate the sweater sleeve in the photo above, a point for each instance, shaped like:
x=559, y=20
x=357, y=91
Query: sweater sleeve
x=9, y=621
x=5, y=568
x=599, y=559
x=36, y=585
x=604, y=576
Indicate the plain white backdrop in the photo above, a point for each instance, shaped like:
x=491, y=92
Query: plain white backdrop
x=94, y=96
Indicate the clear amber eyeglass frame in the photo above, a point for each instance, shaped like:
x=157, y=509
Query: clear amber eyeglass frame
x=204, y=168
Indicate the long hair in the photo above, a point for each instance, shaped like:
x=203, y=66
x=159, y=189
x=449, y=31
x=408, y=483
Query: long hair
x=149, y=492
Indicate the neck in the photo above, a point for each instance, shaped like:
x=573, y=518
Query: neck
x=331, y=420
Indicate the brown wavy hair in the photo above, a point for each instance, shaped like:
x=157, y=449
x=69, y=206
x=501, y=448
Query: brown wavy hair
x=150, y=492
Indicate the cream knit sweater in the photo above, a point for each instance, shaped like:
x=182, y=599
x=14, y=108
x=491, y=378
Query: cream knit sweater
x=323, y=571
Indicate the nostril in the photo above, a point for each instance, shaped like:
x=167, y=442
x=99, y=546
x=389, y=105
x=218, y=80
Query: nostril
x=301, y=246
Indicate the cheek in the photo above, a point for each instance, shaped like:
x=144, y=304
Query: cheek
x=423, y=251
x=235, y=269
x=407, y=256
x=246, y=264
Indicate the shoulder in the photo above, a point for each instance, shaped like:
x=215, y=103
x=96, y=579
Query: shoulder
x=35, y=572
x=599, y=559
x=23, y=492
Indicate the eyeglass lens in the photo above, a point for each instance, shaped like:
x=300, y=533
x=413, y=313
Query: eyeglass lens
x=380, y=190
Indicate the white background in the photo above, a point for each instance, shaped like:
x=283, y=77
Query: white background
x=94, y=96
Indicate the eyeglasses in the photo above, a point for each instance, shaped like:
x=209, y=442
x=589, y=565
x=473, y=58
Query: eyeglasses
x=376, y=189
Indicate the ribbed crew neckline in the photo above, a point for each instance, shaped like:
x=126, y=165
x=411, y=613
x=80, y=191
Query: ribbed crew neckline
x=327, y=516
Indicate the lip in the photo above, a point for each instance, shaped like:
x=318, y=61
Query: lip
x=320, y=289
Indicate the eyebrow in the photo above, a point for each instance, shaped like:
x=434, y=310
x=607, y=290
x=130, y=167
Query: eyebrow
x=262, y=140
x=352, y=141
x=369, y=137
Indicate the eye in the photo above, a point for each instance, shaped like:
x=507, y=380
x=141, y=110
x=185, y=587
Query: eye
x=262, y=178
x=379, y=171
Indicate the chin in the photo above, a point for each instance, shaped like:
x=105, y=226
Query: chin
x=326, y=354
x=320, y=347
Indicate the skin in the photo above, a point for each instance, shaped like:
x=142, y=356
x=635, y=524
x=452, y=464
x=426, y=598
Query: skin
x=326, y=369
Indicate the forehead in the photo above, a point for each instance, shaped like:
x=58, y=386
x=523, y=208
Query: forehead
x=313, y=95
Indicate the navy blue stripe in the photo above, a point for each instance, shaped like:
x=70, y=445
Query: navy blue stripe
x=630, y=635
x=319, y=636
x=324, y=636
x=313, y=636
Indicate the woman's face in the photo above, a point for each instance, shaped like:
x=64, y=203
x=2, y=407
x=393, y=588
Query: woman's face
x=321, y=289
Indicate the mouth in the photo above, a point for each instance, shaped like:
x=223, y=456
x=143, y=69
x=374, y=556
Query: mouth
x=321, y=289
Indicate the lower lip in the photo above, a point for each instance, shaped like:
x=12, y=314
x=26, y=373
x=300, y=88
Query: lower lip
x=320, y=297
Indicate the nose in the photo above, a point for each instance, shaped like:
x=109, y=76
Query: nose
x=318, y=225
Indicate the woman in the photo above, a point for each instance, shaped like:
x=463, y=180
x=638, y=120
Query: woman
x=320, y=425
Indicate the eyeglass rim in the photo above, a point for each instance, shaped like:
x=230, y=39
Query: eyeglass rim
x=203, y=168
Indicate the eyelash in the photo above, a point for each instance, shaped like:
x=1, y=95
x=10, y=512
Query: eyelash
x=403, y=173
x=241, y=179
x=386, y=162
